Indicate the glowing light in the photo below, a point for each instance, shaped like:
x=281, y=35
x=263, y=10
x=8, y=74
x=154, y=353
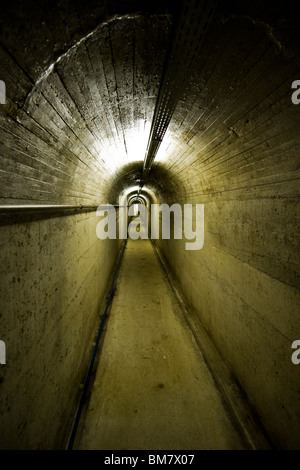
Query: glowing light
x=131, y=148
x=164, y=149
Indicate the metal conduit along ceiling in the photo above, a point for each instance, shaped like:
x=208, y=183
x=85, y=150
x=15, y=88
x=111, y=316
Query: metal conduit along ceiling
x=86, y=78
x=188, y=32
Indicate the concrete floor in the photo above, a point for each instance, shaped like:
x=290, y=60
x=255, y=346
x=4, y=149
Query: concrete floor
x=152, y=389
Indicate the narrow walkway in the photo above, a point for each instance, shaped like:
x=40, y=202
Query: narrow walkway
x=152, y=390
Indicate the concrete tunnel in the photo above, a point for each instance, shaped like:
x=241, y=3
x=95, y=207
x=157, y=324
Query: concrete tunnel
x=166, y=103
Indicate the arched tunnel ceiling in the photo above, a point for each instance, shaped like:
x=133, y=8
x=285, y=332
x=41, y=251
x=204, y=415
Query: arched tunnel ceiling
x=82, y=80
x=159, y=182
x=90, y=114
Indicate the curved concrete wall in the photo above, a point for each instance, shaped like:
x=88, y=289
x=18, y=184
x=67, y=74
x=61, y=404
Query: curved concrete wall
x=81, y=89
x=233, y=146
x=54, y=276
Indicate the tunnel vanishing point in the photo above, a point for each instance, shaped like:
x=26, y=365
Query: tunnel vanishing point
x=158, y=102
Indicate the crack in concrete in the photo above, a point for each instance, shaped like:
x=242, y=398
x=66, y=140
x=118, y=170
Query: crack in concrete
x=71, y=49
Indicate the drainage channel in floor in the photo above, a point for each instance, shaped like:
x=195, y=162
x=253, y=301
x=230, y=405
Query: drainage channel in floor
x=152, y=388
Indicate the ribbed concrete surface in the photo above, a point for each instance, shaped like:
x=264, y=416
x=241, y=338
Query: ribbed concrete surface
x=152, y=389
